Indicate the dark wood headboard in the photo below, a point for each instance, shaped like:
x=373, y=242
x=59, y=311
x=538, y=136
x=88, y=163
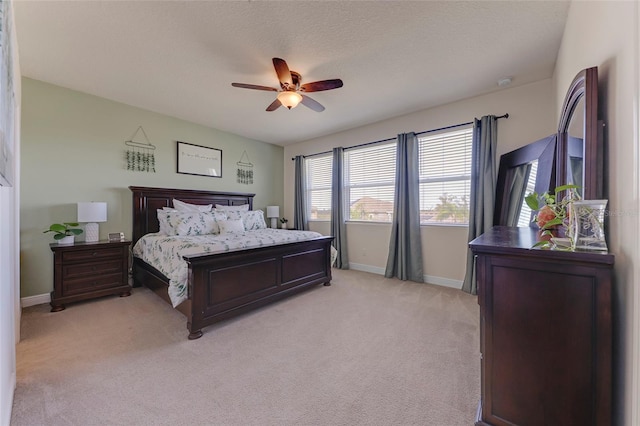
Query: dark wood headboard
x=147, y=200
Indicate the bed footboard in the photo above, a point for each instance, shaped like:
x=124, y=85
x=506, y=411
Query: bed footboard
x=227, y=284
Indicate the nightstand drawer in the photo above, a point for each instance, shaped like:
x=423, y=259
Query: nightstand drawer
x=79, y=286
x=112, y=266
x=96, y=253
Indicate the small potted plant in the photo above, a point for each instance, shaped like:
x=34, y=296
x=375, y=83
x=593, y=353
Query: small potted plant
x=284, y=222
x=552, y=215
x=64, y=232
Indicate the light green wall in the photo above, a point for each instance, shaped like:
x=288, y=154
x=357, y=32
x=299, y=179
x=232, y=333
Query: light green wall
x=73, y=150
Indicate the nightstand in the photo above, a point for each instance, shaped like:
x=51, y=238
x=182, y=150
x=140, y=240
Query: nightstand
x=88, y=270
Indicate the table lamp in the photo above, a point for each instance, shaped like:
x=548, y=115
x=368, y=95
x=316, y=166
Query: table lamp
x=273, y=213
x=91, y=213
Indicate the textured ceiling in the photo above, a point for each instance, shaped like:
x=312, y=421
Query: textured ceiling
x=180, y=57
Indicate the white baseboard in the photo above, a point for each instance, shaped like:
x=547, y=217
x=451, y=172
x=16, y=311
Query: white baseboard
x=35, y=300
x=444, y=282
x=366, y=268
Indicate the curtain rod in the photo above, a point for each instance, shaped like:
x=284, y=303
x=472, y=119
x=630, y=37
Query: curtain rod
x=391, y=139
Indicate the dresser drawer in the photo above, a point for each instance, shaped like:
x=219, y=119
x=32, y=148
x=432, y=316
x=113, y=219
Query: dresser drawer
x=87, y=255
x=74, y=270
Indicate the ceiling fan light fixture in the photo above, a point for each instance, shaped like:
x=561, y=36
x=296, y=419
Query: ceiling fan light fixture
x=289, y=99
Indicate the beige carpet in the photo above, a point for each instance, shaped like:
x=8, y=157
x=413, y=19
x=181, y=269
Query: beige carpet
x=365, y=351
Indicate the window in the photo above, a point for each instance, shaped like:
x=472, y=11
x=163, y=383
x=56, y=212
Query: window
x=445, y=176
x=319, y=187
x=525, y=213
x=369, y=178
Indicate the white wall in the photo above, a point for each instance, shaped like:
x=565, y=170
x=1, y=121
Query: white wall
x=531, y=117
x=9, y=264
x=605, y=34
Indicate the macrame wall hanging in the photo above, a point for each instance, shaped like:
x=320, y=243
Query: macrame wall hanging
x=139, y=155
x=245, y=170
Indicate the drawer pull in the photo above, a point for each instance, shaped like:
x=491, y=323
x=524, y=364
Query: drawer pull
x=94, y=253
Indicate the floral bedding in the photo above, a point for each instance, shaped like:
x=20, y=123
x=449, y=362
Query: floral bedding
x=165, y=252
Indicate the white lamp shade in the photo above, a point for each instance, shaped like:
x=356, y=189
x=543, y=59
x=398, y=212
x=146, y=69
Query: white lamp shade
x=273, y=211
x=92, y=212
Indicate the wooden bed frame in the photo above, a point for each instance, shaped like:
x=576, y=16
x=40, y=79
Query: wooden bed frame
x=227, y=284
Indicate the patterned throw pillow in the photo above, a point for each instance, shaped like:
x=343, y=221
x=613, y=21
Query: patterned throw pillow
x=253, y=219
x=234, y=212
x=189, y=223
x=231, y=226
x=163, y=220
x=199, y=223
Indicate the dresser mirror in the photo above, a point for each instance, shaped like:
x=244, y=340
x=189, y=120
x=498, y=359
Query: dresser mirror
x=580, y=154
x=573, y=156
x=522, y=171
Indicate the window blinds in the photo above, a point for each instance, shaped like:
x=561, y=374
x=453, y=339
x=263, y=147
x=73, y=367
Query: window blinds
x=445, y=176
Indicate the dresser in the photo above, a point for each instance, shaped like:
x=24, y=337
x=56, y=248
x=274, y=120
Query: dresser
x=545, y=332
x=88, y=270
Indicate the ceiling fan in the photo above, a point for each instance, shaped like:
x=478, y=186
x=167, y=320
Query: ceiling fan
x=291, y=91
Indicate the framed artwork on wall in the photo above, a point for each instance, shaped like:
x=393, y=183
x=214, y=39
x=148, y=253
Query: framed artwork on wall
x=199, y=160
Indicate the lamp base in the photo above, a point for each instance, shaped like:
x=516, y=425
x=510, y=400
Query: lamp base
x=274, y=222
x=92, y=232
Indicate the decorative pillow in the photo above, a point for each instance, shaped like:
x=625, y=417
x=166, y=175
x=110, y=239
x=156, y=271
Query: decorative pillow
x=163, y=221
x=253, y=219
x=198, y=223
x=189, y=223
x=231, y=226
x=186, y=207
x=234, y=212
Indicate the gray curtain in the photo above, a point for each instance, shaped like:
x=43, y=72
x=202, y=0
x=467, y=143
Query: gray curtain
x=517, y=191
x=300, y=220
x=338, y=228
x=483, y=188
x=405, y=245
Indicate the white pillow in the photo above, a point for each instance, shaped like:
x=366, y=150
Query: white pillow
x=241, y=208
x=186, y=207
x=231, y=226
x=253, y=219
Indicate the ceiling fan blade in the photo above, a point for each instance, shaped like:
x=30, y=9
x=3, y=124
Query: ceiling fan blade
x=310, y=103
x=284, y=75
x=254, y=86
x=274, y=105
x=318, y=86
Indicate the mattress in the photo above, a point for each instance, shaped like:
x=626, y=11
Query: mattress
x=165, y=253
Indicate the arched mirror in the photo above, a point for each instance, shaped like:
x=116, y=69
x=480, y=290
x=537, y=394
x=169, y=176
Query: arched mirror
x=574, y=155
x=579, y=155
x=522, y=171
